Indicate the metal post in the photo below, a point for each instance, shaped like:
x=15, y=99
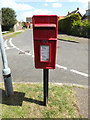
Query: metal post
x=45, y=85
x=6, y=70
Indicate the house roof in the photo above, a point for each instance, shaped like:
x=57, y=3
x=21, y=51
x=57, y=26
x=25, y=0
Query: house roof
x=75, y=11
x=61, y=17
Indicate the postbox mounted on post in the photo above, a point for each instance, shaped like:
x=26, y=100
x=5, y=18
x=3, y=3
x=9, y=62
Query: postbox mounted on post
x=45, y=30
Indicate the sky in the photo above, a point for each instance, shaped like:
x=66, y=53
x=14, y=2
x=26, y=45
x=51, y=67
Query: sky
x=28, y=8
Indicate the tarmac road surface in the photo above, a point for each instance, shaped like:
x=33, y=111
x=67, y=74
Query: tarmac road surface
x=71, y=67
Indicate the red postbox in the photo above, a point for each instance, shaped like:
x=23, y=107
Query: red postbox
x=45, y=30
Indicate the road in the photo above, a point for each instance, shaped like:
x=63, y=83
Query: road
x=71, y=67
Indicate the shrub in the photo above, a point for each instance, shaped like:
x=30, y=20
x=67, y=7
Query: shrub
x=81, y=28
x=74, y=26
x=65, y=25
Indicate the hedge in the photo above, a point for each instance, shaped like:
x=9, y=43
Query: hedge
x=65, y=24
x=81, y=28
x=74, y=26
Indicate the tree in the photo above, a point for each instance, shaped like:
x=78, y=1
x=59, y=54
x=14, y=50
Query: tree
x=8, y=19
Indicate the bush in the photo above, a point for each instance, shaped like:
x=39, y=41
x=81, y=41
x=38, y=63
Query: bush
x=74, y=26
x=65, y=25
x=81, y=28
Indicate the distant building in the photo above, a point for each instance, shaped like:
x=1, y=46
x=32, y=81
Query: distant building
x=89, y=15
x=29, y=22
x=86, y=15
x=17, y=26
x=61, y=17
x=89, y=5
x=74, y=12
x=29, y=19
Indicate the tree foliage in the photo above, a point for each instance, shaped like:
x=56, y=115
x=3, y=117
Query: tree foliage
x=8, y=18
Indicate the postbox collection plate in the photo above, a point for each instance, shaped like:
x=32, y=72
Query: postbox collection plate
x=45, y=53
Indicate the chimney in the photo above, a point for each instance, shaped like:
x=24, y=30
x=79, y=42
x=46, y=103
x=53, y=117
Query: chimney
x=77, y=8
x=68, y=13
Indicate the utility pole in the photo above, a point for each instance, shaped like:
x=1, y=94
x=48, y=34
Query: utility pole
x=6, y=70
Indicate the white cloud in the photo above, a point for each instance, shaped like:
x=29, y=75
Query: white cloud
x=45, y=4
x=83, y=11
x=36, y=0
x=56, y=5
x=82, y=1
x=51, y=0
x=14, y=5
x=30, y=1
x=34, y=12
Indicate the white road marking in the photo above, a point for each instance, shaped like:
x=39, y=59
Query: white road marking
x=71, y=84
x=28, y=53
x=32, y=56
x=5, y=44
x=22, y=51
x=80, y=73
x=57, y=65
x=10, y=41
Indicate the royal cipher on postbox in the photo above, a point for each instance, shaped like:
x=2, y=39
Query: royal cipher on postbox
x=45, y=30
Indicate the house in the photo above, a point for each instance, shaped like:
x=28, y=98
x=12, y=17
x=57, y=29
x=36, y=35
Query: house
x=29, y=22
x=74, y=12
x=17, y=26
x=28, y=19
x=61, y=17
x=86, y=15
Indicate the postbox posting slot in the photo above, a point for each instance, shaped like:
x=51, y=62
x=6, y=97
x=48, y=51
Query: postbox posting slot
x=45, y=25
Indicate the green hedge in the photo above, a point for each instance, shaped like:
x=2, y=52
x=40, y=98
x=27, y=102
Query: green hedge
x=74, y=26
x=81, y=28
x=65, y=25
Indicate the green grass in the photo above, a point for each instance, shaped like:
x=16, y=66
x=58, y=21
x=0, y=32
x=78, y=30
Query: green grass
x=68, y=39
x=28, y=99
x=14, y=34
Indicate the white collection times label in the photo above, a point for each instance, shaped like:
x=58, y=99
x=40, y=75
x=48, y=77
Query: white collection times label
x=45, y=52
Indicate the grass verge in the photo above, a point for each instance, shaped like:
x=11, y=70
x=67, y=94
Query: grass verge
x=27, y=102
x=14, y=34
x=69, y=39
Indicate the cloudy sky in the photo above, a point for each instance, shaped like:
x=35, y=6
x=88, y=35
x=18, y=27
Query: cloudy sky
x=28, y=8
